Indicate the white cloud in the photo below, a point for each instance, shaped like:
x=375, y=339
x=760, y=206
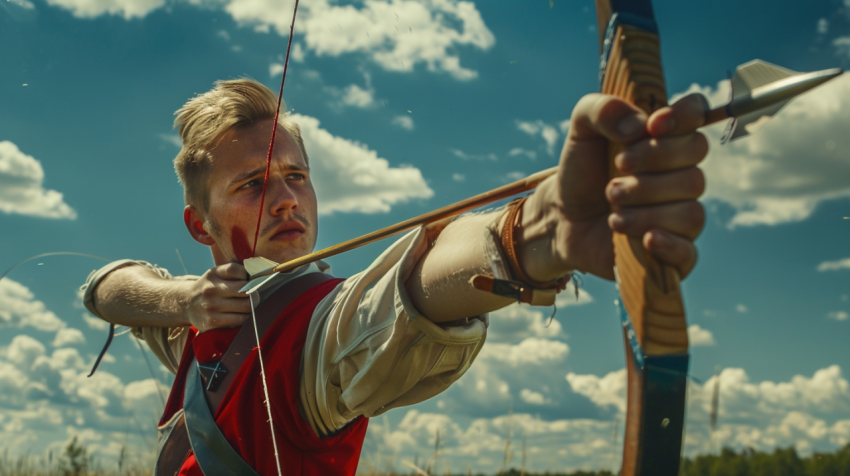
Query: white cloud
x=514, y=176
x=354, y=95
x=23, y=350
x=822, y=26
x=350, y=177
x=95, y=322
x=516, y=322
x=128, y=9
x=826, y=391
x=25, y=4
x=607, y=391
x=804, y=412
x=464, y=156
x=700, y=337
x=482, y=443
x=405, y=122
x=21, y=186
x=783, y=171
x=19, y=308
x=766, y=415
x=397, y=35
x=524, y=152
x=567, y=297
x=275, y=69
x=540, y=129
x=458, y=177
x=531, y=351
x=297, y=54
x=834, y=265
x=533, y=398
x=172, y=139
x=47, y=397
x=68, y=336
x=842, y=45
x=838, y=315
x=741, y=308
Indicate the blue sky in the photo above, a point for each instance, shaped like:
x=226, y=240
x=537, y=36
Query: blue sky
x=428, y=102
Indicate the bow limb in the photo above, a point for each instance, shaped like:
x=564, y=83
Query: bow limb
x=651, y=307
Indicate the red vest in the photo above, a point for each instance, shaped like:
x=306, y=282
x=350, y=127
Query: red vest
x=243, y=417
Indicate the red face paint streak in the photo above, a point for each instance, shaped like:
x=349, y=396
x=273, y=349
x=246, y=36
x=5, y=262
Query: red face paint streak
x=239, y=240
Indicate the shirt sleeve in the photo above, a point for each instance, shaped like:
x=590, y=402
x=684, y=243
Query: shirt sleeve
x=368, y=349
x=166, y=343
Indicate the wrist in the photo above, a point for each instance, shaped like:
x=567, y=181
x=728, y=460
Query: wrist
x=176, y=300
x=541, y=247
x=529, y=244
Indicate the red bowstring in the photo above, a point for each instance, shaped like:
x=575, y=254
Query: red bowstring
x=274, y=130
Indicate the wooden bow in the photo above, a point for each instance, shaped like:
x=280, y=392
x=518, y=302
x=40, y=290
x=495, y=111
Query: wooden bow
x=651, y=307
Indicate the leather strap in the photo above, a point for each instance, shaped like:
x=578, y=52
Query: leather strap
x=213, y=452
x=173, y=446
x=512, y=226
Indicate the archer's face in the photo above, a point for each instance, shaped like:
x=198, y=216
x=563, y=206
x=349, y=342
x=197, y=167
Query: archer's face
x=289, y=226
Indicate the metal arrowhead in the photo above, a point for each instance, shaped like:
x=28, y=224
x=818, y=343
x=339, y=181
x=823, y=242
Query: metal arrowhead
x=761, y=89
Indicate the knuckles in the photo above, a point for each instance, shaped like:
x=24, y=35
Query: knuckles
x=209, y=291
x=692, y=181
x=694, y=218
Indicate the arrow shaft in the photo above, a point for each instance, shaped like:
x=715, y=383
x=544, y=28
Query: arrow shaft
x=760, y=98
x=505, y=191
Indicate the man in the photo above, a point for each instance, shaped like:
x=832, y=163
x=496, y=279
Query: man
x=410, y=324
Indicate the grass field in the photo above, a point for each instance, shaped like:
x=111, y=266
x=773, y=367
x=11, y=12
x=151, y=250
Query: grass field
x=75, y=460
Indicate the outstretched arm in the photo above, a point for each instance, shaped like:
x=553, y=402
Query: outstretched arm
x=136, y=296
x=567, y=222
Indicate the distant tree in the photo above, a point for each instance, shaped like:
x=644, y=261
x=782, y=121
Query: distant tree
x=829, y=464
x=74, y=460
x=782, y=462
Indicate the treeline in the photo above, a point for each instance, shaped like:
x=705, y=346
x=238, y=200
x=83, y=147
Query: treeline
x=749, y=462
x=781, y=462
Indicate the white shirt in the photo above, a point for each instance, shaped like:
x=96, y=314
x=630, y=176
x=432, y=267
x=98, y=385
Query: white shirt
x=368, y=349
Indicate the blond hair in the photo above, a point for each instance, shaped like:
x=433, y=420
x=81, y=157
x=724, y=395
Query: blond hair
x=207, y=116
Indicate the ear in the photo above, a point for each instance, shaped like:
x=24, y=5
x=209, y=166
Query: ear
x=194, y=221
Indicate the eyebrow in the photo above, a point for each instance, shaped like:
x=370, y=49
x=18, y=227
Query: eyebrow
x=259, y=170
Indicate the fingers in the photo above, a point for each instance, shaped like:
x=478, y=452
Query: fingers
x=231, y=271
x=239, y=305
x=598, y=116
x=224, y=281
x=671, y=249
x=651, y=189
x=659, y=155
x=216, y=301
x=683, y=117
x=614, y=119
x=685, y=219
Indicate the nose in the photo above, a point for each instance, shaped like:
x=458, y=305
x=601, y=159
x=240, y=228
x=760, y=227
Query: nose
x=281, y=197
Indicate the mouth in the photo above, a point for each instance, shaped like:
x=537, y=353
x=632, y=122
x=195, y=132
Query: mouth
x=288, y=231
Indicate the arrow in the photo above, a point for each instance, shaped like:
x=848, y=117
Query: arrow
x=760, y=90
